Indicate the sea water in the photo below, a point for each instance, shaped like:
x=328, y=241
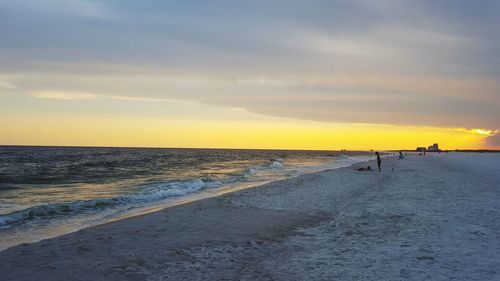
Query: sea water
x=49, y=191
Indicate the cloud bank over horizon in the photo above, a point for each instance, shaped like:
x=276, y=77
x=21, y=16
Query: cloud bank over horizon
x=418, y=63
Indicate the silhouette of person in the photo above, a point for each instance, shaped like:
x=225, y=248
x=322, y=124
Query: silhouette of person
x=365, y=169
x=401, y=155
x=379, y=161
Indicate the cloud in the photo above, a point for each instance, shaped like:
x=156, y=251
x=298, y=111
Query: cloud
x=69, y=96
x=483, y=132
x=56, y=95
x=493, y=141
x=388, y=61
x=340, y=99
x=7, y=86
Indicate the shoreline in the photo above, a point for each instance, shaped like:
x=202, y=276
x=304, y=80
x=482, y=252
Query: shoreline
x=68, y=226
x=407, y=222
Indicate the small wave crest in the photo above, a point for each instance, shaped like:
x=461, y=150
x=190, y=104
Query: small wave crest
x=276, y=165
x=250, y=172
x=49, y=210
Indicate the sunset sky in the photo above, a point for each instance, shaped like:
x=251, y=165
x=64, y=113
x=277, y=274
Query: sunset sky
x=291, y=74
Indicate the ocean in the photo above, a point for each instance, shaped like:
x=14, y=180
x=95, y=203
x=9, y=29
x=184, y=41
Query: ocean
x=49, y=191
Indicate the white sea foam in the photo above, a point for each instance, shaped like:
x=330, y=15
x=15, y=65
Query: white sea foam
x=276, y=165
x=250, y=172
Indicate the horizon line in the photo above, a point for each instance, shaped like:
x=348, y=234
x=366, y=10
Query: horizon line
x=227, y=148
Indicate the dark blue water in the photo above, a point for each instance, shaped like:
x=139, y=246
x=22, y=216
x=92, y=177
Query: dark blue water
x=52, y=190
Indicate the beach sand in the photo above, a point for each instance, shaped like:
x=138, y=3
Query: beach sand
x=424, y=218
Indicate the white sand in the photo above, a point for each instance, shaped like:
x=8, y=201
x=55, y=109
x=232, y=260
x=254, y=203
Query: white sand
x=431, y=218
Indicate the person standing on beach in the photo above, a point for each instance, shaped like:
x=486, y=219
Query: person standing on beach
x=401, y=155
x=379, y=161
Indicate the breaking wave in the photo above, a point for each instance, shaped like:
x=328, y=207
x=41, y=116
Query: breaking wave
x=149, y=193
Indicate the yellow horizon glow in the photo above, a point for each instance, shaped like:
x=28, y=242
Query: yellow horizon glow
x=117, y=122
x=254, y=134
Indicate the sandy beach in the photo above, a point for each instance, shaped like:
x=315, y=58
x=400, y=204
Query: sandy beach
x=424, y=218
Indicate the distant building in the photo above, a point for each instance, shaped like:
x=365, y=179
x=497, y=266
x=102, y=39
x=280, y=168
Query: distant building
x=434, y=147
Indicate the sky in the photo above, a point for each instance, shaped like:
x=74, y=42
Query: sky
x=338, y=74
